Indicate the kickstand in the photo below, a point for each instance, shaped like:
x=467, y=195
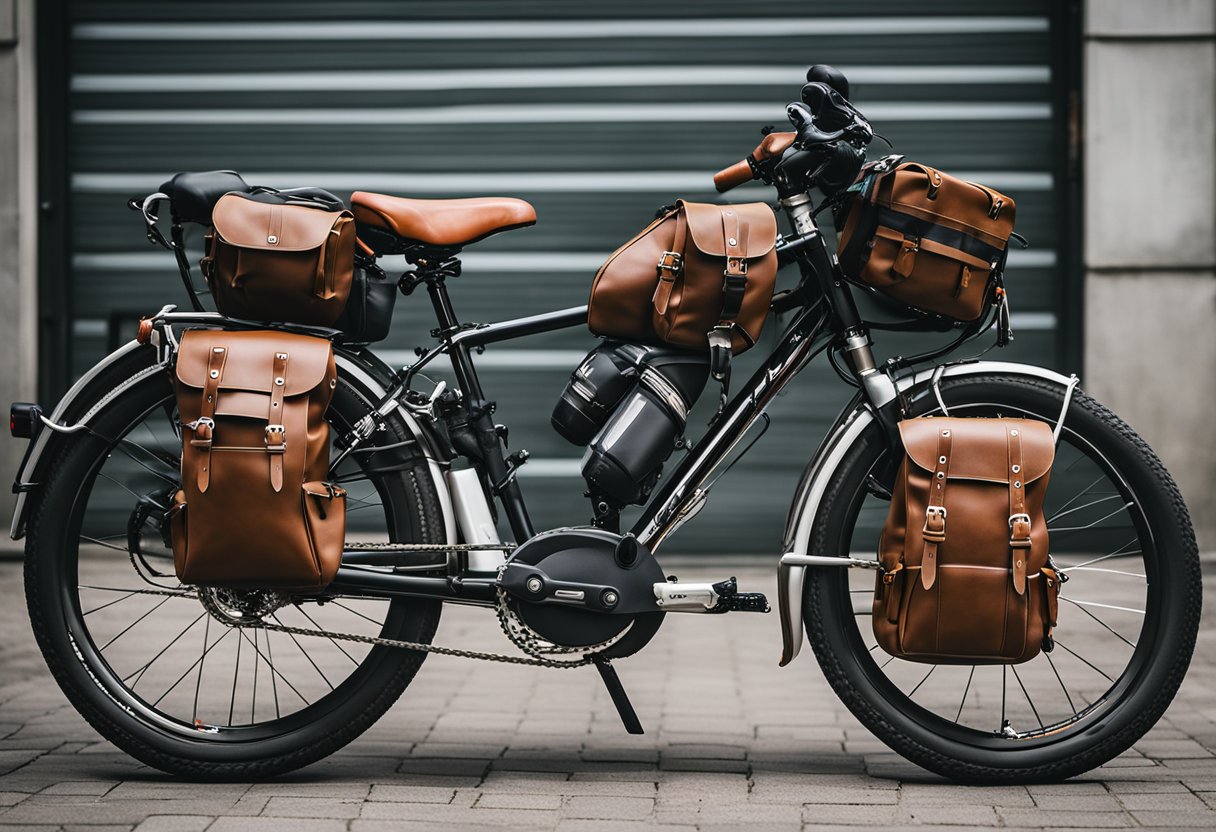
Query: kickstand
x=619, y=698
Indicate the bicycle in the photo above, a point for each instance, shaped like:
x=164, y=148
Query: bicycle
x=427, y=465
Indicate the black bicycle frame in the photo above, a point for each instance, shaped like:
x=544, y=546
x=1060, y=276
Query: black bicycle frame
x=826, y=315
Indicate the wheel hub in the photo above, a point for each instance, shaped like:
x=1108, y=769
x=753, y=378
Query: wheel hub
x=240, y=606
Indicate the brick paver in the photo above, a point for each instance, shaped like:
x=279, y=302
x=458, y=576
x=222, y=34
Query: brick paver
x=732, y=740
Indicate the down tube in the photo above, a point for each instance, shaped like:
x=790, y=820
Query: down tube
x=802, y=340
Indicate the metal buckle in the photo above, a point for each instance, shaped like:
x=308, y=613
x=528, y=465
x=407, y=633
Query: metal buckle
x=936, y=510
x=742, y=272
x=1013, y=518
x=673, y=261
x=205, y=421
x=935, y=535
x=279, y=447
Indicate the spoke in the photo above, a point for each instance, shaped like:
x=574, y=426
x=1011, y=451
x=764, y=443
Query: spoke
x=101, y=542
x=286, y=681
x=1057, y=533
x=962, y=701
x=162, y=652
x=356, y=612
x=124, y=487
x=333, y=641
x=1004, y=674
x=235, y=673
x=1063, y=687
x=922, y=681
x=1060, y=514
x=1079, y=494
x=1100, y=621
x=253, y=704
x=274, y=685
x=1103, y=606
x=136, y=591
x=306, y=654
x=159, y=604
x=109, y=604
x=169, y=478
x=1033, y=709
x=1085, y=660
x=1107, y=571
x=199, y=683
x=197, y=663
x=1117, y=553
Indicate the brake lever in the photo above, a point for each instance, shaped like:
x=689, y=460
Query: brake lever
x=148, y=208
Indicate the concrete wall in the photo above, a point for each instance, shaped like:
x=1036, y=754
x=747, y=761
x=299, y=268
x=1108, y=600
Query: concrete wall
x=1150, y=231
x=18, y=229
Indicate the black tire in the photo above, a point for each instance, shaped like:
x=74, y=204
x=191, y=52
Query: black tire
x=412, y=514
x=1135, y=700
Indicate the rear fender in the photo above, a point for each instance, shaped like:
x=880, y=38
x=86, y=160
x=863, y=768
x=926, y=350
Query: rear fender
x=849, y=427
x=90, y=394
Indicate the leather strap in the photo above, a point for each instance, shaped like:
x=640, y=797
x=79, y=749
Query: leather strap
x=1051, y=585
x=204, y=426
x=276, y=433
x=671, y=264
x=1019, y=520
x=935, y=513
x=894, y=588
x=734, y=287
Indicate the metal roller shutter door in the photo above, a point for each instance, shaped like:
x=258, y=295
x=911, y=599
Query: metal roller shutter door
x=595, y=121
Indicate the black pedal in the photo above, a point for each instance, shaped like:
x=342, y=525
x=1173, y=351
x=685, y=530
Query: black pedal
x=730, y=599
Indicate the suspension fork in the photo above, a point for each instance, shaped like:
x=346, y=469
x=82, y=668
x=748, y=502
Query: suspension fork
x=820, y=265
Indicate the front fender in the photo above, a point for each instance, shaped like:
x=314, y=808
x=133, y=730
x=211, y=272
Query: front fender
x=86, y=398
x=851, y=424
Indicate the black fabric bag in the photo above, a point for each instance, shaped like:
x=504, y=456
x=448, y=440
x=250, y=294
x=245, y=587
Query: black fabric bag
x=369, y=309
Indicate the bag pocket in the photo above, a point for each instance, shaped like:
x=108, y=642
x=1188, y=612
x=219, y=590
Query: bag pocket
x=926, y=274
x=325, y=514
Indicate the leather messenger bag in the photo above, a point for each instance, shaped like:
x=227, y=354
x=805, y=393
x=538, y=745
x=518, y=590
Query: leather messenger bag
x=964, y=574
x=928, y=239
x=274, y=257
x=699, y=276
x=255, y=509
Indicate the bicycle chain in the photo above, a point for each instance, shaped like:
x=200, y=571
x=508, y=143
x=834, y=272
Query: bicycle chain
x=518, y=632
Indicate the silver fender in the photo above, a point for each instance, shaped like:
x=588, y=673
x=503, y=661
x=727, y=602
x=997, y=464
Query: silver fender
x=822, y=470
x=77, y=396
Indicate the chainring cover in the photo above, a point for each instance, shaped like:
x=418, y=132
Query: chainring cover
x=586, y=556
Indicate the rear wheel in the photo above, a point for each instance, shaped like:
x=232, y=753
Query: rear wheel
x=150, y=663
x=1129, y=611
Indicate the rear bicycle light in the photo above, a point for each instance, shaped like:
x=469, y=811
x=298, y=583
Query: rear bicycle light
x=24, y=420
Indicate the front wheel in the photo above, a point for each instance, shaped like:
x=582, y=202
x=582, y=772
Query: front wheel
x=1129, y=611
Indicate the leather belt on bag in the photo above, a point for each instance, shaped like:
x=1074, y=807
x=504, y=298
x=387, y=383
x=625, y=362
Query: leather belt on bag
x=734, y=288
x=671, y=265
x=1019, y=520
x=276, y=433
x=204, y=426
x=935, y=514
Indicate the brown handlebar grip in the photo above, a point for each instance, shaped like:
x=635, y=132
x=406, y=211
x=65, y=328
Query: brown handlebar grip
x=733, y=176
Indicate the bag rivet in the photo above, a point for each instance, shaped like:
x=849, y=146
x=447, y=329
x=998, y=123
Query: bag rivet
x=282, y=356
x=945, y=433
x=215, y=373
x=272, y=239
x=941, y=475
x=1013, y=433
x=274, y=404
x=941, y=460
x=732, y=241
x=1016, y=469
x=333, y=382
x=278, y=382
x=1017, y=484
x=218, y=349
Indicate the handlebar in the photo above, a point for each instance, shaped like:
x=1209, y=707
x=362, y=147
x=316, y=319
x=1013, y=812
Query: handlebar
x=745, y=170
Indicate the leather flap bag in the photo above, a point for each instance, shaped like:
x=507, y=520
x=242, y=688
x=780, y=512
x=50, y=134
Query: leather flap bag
x=964, y=571
x=272, y=257
x=255, y=509
x=698, y=273
x=933, y=241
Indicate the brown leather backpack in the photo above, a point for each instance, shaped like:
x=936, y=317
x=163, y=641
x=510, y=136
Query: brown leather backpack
x=255, y=509
x=269, y=259
x=698, y=273
x=927, y=239
x=964, y=574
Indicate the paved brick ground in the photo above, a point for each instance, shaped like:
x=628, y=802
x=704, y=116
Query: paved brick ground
x=732, y=740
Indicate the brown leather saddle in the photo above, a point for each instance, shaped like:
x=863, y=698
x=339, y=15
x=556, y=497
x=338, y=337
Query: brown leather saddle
x=393, y=224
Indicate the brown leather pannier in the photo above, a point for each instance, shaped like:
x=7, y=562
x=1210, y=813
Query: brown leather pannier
x=964, y=574
x=255, y=508
x=697, y=268
x=927, y=239
x=269, y=259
